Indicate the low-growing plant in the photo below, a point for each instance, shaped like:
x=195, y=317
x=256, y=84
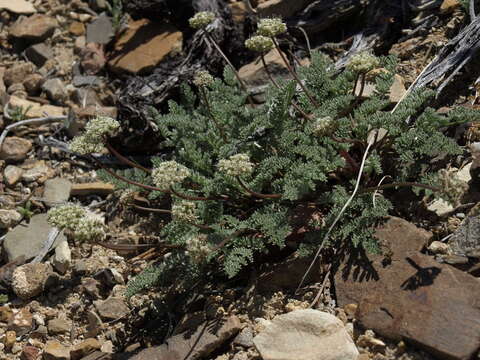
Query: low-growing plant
x=237, y=176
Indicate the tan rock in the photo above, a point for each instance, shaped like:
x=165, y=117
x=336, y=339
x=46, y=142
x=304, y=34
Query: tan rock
x=98, y=188
x=18, y=6
x=281, y=8
x=76, y=28
x=29, y=280
x=254, y=74
x=84, y=348
x=449, y=6
x=21, y=322
x=9, y=218
x=33, y=83
x=18, y=73
x=36, y=110
x=15, y=148
x=35, y=28
x=144, y=45
x=239, y=11
x=10, y=339
x=55, y=351
x=12, y=174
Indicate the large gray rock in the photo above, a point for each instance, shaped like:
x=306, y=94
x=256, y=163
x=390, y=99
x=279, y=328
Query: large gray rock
x=28, y=239
x=305, y=335
x=100, y=31
x=39, y=54
x=57, y=191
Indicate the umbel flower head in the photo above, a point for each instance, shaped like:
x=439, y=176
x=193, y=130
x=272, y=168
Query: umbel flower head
x=363, y=62
x=271, y=27
x=323, y=126
x=198, y=248
x=236, y=165
x=201, y=19
x=66, y=216
x=185, y=211
x=168, y=174
x=203, y=78
x=96, y=131
x=259, y=43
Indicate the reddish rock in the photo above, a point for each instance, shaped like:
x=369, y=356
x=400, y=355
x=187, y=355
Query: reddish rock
x=35, y=28
x=409, y=296
x=30, y=353
x=21, y=322
x=143, y=46
x=92, y=58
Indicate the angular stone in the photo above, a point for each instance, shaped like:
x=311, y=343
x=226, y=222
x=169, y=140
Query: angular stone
x=36, y=110
x=28, y=239
x=36, y=173
x=57, y=191
x=196, y=343
x=9, y=218
x=29, y=280
x=55, y=90
x=254, y=74
x=76, y=28
x=59, y=326
x=466, y=239
x=86, y=80
x=112, y=309
x=305, y=335
x=12, y=174
x=55, y=351
x=84, y=348
x=15, y=148
x=62, y=258
x=34, y=29
x=143, y=46
x=33, y=83
x=281, y=8
x=21, y=322
x=18, y=6
x=30, y=353
x=39, y=54
x=409, y=296
x=100, y=31
x=245, y=338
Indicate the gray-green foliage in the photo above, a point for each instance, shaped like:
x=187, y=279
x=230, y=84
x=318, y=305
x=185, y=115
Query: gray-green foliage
x=292, y=161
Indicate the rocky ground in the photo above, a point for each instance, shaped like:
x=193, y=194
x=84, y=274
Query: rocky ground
x=65, y=61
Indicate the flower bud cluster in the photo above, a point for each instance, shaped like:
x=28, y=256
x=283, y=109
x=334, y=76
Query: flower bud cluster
x=201, y=19
x=93, y=138
x=236, y=165
x=198, y=248
x=271, y=27
x=323, y=126
x=259, y=43
x=168, y=174
x=363, y=62
x=84, y=225
x=203, y=78
x=66, y=216
x=185, y=211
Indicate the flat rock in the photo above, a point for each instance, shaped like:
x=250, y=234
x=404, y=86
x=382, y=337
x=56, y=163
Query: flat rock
x=254, y=74
x=15, y=148
x=112, y=309
x=21, y=322
x=143, y=46
x=84, y=348
x=281, y=8
x=28, y=239
x=305, y=335
x=36, y=110
x=98, y=188
x=18, y=6
x=29, y=280
x=86, y=80
x=59, y=326
x=34, y=29
x=195, y=343
x=409, y=296
x=100, y=31
x=57, y=191
x=38, y=173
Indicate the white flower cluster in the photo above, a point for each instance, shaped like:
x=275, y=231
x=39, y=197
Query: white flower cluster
x=203, y=78
x=198, y=248
x=201, y=19
x=323, y=126
x=236, y=165
x=169, y=173
x=90, y=228
x=66, y=216
x=93, y=138
x=185, y=211
x=84, y=225
x=363, y=62
x=271, y=27
x=259, y=43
